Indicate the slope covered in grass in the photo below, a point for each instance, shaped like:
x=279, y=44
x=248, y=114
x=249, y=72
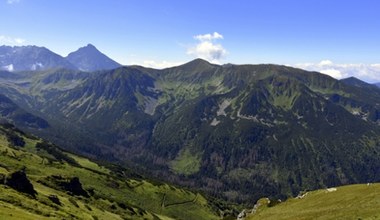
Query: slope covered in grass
x=361, y=201
x=68, y=186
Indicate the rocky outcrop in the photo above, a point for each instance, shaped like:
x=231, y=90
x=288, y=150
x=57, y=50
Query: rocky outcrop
x=54, y=199
x=20, y=182
x=75, y=187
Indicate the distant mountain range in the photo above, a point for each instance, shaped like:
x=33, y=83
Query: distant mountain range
x=26, y=58
x=237, y=131
x=33, y=58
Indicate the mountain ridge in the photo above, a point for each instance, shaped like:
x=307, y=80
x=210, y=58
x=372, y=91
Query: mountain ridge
x=89, y=58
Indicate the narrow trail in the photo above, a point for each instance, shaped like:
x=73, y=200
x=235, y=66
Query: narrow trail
x=163, y=205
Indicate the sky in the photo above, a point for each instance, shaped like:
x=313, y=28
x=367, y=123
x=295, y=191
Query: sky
x=337, y=37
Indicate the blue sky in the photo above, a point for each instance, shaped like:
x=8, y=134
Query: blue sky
x=337, y=37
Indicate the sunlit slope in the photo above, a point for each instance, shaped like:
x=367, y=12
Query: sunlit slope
x=361, y=201
x=72, y=187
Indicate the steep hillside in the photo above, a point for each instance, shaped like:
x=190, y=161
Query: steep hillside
x=348, y=202
x=9, y=111
x=40, y=181
x=236, y=131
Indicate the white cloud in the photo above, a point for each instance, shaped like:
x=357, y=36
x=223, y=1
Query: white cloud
x=12, y=1
x=367, y=72
x=8, y=68
x=209, y=37
x=376, y=65
x=333, y=73
x=6, y=40
x=19, y=40
x=207, y=49
x=325, y=63
x=157, y=64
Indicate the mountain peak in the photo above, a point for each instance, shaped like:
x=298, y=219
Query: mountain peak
x=200, y=61
x=351, y=78
x=89, y=58
x=353, y=81
x=198, y=64
x=88, y=47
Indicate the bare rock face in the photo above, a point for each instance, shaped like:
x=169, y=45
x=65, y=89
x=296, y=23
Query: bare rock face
x=20, y=182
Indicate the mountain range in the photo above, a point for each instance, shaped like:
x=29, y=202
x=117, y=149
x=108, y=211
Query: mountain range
x=33, y=58
x=238, y=132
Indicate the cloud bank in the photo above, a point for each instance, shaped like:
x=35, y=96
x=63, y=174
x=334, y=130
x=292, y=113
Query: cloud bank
x=6, y=40
x=367, y=72
x=157, y=64
x=207, y=48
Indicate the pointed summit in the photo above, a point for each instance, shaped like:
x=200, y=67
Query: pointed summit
x=90, y=46
x=89, y=58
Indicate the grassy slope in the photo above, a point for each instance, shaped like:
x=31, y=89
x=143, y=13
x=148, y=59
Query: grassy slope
x=114, y=197
x=359, y=201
